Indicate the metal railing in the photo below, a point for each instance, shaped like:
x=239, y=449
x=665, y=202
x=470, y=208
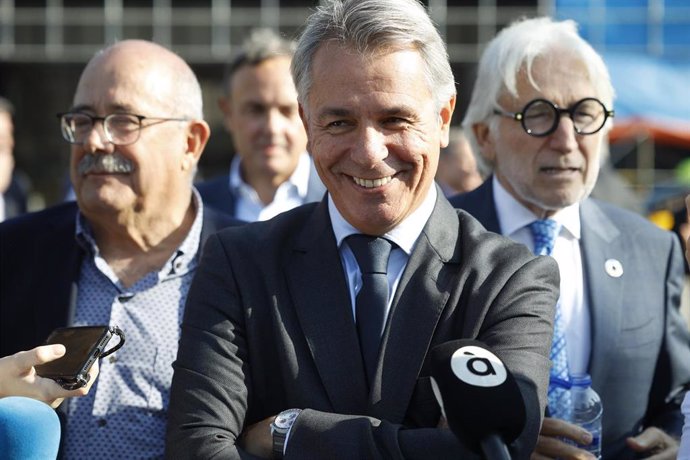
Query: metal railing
x=204, y=31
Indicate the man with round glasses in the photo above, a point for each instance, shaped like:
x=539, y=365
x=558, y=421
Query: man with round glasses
x=540, y=110
x=125, y=252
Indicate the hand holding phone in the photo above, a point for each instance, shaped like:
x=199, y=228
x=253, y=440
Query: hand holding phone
x=84, y=345
x=18, y=376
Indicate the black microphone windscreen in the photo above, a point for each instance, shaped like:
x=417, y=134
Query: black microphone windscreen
x=480, y=395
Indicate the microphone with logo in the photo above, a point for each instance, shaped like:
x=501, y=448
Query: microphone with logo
x=478, y=396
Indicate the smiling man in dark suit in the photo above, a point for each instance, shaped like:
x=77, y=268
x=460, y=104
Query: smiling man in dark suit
x=539, y=112
x=285, y=317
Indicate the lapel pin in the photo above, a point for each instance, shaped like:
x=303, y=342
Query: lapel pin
x=613, y=268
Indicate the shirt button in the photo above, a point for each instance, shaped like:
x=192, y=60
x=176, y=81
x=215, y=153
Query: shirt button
x=126, y=297
x=101, y=422
x=112, y=359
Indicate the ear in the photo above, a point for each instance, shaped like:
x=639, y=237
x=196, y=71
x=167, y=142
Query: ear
x=303, y=117
x=198, y=133
x=445, y=116
x=226, y=108
x=485, y=141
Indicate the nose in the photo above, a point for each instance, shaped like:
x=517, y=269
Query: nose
x=275, y=121
x=371, y=147
x=95, y=139
x=564, y=139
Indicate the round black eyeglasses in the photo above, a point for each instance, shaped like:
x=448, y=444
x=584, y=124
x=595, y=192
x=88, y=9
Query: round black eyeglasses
x=119, y=128
x=540, y=117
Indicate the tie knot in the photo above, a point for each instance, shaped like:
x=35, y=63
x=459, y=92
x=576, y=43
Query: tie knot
x=371, y=252
x=544, y=233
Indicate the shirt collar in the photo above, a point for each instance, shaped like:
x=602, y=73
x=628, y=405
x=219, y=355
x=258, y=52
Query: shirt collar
x=185, y=258
x=181, y=261
x=513, y=216
x=299, y=178
x=405, y=234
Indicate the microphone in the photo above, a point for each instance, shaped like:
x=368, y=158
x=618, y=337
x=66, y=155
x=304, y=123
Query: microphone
x=478, y=395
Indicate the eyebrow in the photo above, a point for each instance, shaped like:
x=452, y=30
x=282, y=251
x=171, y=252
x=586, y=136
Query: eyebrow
x=333, y=112
x=111, y=108
x=341, y=112
x=398, y=110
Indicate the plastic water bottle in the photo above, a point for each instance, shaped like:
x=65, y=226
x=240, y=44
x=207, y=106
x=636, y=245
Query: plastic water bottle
x=587, y=411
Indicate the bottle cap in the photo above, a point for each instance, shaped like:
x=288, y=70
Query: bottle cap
x=581, y=380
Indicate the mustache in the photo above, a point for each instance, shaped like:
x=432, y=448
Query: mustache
x=98, y=164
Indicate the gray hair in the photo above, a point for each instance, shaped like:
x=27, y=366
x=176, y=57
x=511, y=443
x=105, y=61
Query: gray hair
x=186, y=99
x=515, y=48
x=262, y=45
x=370, y=26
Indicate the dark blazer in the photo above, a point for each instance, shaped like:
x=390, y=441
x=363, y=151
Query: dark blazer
x=216, y=192
x=40, y=262
x=640, y=343
x=15, y=197
x=268, y=326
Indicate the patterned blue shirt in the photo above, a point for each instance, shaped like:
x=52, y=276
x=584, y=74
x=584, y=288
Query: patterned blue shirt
x=124, y=414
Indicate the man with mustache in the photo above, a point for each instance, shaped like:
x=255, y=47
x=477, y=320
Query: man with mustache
x=539, y=113
x=326, y=314
x=271, y=171
x=124, y=254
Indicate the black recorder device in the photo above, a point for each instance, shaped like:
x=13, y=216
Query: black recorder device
x=84, y=345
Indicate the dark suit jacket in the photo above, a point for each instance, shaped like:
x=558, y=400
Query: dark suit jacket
x=269, y=326
x=15, y=197
x=216, y=192
x=640, y=344
x=39, y=268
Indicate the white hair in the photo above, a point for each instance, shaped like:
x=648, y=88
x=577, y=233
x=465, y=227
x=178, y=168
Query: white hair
x=514, y=49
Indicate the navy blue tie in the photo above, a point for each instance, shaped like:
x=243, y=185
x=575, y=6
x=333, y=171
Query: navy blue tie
x=372, y=255
x=544, y=233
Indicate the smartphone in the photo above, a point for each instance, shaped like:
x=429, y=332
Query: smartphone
x=84, y=344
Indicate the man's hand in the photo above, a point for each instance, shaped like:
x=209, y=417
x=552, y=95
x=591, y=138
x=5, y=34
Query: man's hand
x=550, y=444
x=656, y=443
x=257, y=440
x=18, y=376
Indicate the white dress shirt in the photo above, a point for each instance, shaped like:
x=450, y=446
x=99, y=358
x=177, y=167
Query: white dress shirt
x=684, y=451
x=290, y=194
x=514, y=220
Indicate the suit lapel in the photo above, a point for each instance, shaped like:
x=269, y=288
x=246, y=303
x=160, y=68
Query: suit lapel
x=322, y=301
x=417, y=306
x=480, y=204
x=61, y=244
x=601, y=242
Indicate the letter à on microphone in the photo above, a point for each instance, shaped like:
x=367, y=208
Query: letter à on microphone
x=478, y=396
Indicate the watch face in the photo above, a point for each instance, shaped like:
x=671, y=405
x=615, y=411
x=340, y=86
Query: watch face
x=286, y=418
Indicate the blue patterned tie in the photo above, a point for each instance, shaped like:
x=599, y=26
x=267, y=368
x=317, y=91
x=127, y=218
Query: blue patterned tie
x=372, y=255
x=544, y=233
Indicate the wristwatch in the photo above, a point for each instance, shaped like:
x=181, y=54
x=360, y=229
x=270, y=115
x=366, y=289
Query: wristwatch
x=280, y=428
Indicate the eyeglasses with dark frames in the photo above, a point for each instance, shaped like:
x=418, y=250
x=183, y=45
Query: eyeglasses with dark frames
x=119, y=128
x=540, y=117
